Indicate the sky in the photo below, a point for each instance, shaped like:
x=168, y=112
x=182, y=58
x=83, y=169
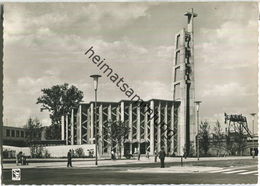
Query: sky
x=44, y=45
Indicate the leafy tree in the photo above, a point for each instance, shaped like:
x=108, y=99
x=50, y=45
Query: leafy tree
x=204, y=137
x=59, y=100
x=33, y=130
x=192, y=151
x=118, y=133
x=218, y=137
x=230, y=144
x=53, y=132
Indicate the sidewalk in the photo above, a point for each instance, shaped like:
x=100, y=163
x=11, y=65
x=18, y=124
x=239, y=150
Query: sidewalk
x=88, y=163
x=175, y=169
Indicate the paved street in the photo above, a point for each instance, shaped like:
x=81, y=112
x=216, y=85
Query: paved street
x=60, y=163
x=207, y=170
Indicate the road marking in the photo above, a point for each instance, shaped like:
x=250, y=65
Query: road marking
x=250, y=172
x=223, y=170
x=235, y=171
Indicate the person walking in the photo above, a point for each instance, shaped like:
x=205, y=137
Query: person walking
x=147, y=153
x=113, y=155
x=19, y=158
x=69, y=164
x=162, y=155
x=155, y=155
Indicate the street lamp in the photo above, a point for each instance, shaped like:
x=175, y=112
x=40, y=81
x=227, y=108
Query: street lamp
x=198, y=121
x=253, y=132
x=95, y=78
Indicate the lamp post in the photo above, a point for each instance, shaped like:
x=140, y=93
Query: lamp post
x=95, y=78
x=198, y=124
x=253, y=132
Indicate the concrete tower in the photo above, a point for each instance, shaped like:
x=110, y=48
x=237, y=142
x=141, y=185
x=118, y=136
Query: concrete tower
x=183, y=84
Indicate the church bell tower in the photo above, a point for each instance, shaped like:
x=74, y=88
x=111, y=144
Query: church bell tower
x=183, y=85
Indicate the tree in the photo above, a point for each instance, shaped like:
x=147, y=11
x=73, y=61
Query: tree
x=59, y=100
x=236, y=141
x=204, y=137
x=119, y=132
x=218, y=138
x=191, y=151
x=79, y=152
x=33, y=130
x=240, y=140
x=53, y=132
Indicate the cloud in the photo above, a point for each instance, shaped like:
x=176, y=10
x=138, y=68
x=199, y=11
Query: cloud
x=156, y=89
x=121, y=14
x=45, y=45
x=229, y=48
x=30, y=18
x=227, y=90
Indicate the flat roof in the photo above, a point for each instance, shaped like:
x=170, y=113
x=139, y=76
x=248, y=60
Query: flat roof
x=132, y=101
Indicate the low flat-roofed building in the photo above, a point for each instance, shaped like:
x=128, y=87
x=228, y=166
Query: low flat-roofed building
x=14, y=136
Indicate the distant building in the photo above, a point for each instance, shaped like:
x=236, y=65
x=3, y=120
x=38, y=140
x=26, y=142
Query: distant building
x=14, y=136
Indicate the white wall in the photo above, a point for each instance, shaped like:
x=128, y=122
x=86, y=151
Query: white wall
x=25, y=150
x=55, y=151
x=61, y=151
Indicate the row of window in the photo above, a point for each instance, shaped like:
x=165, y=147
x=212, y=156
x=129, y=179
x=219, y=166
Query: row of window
x=15, y=133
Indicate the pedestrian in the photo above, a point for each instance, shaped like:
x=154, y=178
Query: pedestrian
x=155, y=155
x=19, y=158
x=162, y=155
x=69, y=159
x=113, y=155
x=16, y=159
x=147, y=153
x=184, y=152
x=139, y=154
x=24, y=162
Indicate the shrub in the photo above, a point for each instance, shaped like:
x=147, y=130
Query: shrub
x=46, y=154
x=36, y=151
x=79, y=152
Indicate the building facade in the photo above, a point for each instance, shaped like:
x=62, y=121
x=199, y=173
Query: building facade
x=153, y=124
x=14, y=136
x=171, y=125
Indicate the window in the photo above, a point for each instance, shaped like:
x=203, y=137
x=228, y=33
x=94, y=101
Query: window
x=7, y=132
x=177, y=91
x=178, y=41
x=17, y=133
x=13, y=133
x=177, y=58
x=22, y=134
x=177, y=76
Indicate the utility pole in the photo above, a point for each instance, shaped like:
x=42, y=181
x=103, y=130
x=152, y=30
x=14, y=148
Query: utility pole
x=253, y=132
x=198, y=126
x=95, y=78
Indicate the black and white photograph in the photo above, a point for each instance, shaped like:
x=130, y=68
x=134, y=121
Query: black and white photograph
x=145, y=92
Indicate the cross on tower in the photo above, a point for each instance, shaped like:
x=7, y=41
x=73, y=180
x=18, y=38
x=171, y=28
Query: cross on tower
x=190, y=15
